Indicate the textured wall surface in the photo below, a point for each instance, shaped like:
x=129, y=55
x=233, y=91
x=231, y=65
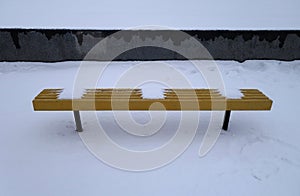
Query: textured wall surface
x=60, y=45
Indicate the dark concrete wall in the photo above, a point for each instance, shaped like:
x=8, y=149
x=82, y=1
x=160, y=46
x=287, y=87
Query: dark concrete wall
x=59, y=45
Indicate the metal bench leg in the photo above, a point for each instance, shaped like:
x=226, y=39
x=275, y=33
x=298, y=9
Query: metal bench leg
x=226, y=120
x=77, y=121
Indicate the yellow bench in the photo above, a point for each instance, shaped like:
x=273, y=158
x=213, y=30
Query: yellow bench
x=102, y=99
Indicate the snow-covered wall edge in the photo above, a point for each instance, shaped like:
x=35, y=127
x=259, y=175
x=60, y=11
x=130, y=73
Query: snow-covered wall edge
x=51, y=45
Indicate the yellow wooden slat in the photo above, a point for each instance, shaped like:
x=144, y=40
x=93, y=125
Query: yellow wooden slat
x=253, y=94
x=254, y=97
x=48, y=94
x=112, y=97
x=190, y=89
x=250, y=90
x=114, y=93
x=51, y=90
x=192, y=95
x=144, y=104
x=47, y=97
x=182, y=91
x=113, y=90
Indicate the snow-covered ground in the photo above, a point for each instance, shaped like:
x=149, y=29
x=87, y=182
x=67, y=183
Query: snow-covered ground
x=41, y=154
x=119, y=14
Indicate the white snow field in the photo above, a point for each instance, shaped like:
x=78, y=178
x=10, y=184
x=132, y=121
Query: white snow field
x=119, y=14
x=41, y=154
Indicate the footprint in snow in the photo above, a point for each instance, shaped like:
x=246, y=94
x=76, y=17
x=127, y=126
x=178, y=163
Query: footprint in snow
x=264, y=171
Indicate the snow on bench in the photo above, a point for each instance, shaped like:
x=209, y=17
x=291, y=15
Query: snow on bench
x=132, y=99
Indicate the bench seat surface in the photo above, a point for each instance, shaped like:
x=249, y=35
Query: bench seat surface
x=131, y=99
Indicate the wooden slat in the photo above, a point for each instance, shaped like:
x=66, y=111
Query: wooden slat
x=252, y=94
x=250, y=90
x=49, y=93
x=191, y=91
x=113, y=90
x=144, y=104
x=112, y=94
x=112, y=97
x=192, y=95
x=255, y=97
x=195, y=89
x=47, y=97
